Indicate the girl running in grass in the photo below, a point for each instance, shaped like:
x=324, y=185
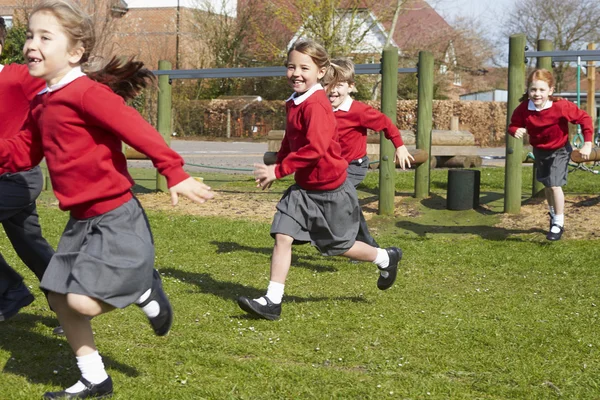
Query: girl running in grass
x=19, y=191
x=322, y=207
x=353, y=119
x=105, y=258
x=546, y=119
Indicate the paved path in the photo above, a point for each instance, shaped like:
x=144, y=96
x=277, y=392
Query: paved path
x=240, y=156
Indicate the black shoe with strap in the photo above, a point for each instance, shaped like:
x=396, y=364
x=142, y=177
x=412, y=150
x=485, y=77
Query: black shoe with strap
x=554, y=236
x=163, y=321
x=13, y=300
x=270, y=311
x=102, y=390
x=395, y=255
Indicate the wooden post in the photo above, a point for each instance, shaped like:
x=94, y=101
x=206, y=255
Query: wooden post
x=537, y=188
x=591, y=92
x=164, y=116
x=514, y=147
x=389, y=105
x=229, y=123
x=424, y=120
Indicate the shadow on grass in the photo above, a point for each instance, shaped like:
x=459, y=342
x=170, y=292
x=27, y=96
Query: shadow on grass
x=36, y=357
x=588, y=202
x=305, y=261
x=231, y=290
x=485, y=232
x=437, y=202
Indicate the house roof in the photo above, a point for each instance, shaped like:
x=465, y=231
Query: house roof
x=217, y=5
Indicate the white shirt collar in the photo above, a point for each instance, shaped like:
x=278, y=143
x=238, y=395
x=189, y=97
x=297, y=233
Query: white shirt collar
x=1, y=67
x=306, y=95
x=68, y=78
x=531, y=106
x=345, y=106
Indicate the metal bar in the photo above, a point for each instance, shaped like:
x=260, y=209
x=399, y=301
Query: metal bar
x=567, y=55
x=259, y=72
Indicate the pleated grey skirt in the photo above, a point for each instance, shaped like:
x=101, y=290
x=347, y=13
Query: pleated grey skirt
x=109, y=257
x=552, y=166
x=329, y=220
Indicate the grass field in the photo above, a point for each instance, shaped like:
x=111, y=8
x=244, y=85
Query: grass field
x=476, y=313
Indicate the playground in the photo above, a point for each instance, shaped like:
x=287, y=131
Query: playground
x=484, y=306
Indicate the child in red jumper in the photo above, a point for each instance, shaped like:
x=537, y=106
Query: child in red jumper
x=105, y=258
x=322, y=207
x=19, y=191
x=546, y=119
x=353, y=119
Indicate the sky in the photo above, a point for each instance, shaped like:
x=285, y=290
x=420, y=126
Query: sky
x=490, y=13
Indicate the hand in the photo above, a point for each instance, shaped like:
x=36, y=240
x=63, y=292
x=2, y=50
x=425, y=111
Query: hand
x=192, y=189
x=403, y=157
x=264, y=175
x=585, y=150
x=520, y=132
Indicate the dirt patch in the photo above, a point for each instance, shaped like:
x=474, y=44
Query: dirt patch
x=582, y=213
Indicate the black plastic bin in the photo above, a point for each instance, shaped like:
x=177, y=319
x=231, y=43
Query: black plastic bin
x=463, y=189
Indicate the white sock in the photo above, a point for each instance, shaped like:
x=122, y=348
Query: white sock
x=383, y=259
x=274, y=293
x=559, y=220
x=151, y=309
x=551, y=209
x=92, y=369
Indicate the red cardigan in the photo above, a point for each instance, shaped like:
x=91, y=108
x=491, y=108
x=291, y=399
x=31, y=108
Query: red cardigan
x=79, y=129
x=17, y=89
x=352, y=127
x=310, y=146
x=549, y=129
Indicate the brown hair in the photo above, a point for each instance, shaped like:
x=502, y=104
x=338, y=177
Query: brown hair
x=540, y=75
x=314, y=50
x=2, y=32
x=125, y=77
x=342, y=70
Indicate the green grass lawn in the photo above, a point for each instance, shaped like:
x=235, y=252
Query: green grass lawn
x=476, y=313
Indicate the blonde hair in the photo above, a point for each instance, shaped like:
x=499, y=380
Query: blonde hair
x=314, y=50
x=540, y=75
x=124, y=76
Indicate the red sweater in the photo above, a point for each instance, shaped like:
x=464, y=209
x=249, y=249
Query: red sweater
x=310, y=146
x=549, y=129
x=79, y=128
x=17, y=89
x=352, y=127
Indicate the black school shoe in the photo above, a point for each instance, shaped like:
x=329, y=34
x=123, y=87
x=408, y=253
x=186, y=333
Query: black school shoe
x=102, y=390
x=555, y=236
x=163, y=321
x=13, y=300
x=395, y=255
x=271, y=311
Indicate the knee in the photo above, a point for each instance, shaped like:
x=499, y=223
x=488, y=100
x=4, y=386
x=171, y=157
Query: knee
x=57, y=301
x=283, y=240
x=83, y=305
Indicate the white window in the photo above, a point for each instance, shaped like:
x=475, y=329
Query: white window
x=457, y=79
x=8, y=21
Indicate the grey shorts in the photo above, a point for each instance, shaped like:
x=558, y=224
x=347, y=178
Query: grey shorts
x=109, y=257
x=329, y=220
x=357, y=170
x=552, y=165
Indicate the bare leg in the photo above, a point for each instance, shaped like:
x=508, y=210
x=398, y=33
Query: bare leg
x=558, y=200
x=74, y=312
x=549, y=193
x=362, y=252
x=282, y=258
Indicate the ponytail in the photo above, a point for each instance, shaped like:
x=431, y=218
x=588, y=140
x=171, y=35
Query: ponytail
x=127, y=79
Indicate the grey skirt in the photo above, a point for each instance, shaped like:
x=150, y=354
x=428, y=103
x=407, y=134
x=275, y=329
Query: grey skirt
x=329, y=220
x=109, y=257
x=552, y=165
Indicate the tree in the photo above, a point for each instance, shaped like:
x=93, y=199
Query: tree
x=12, y=52
x=570, y=24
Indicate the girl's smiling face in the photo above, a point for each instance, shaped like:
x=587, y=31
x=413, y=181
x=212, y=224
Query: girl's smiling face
x=302, y=72
x=539, y=92
x=47, y=50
